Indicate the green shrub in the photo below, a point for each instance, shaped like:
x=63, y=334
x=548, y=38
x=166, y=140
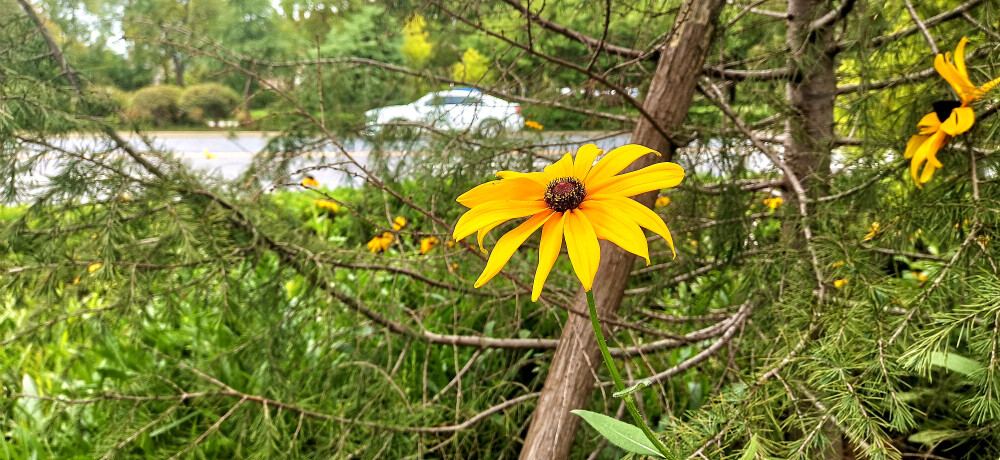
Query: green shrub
x=158, y=103
x=210, y=100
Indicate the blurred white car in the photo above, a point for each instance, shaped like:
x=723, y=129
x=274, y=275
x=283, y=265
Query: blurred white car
x=457, y=109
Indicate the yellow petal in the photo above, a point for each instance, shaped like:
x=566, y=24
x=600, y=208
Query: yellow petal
x=654, y=177
x=641, y=215
x=581, y=244
x=960, y=121
x=548, y=251
x=961, y=84
x=537, y=177
x=561, y=168
x=929, y=123
x=927, y=150
x=585, y=160
x=488, y=213
x=914, y=143
x=615, y=226
x=508, y=244
x=485, y=231
x=516, y=188
x=617, y=160
x=960, y=60
x=987, y=87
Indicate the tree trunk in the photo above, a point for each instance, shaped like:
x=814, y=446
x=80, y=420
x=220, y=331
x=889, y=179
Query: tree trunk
x=809, y=130
x=570, y=380
x=178, y=68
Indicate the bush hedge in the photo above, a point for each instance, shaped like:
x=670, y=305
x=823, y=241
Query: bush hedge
x=208, y=100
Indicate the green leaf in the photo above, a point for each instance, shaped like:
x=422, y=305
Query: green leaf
x=930, y=437
x=751, y=452
x=619, y=433
x=955, y=363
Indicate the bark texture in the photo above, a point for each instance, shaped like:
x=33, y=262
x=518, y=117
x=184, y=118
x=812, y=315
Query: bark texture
x=570, y=380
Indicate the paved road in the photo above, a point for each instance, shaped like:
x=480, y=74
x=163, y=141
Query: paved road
x=229, y=154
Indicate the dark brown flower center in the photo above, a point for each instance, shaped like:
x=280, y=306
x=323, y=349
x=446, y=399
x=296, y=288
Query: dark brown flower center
x=943, y=109
x=564, y=194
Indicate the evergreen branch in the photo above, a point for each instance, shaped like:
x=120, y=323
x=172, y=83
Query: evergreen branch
x=923, y=27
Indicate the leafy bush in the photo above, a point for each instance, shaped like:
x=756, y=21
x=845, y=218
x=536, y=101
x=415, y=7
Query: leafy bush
x=210, y=100
x=158, y=103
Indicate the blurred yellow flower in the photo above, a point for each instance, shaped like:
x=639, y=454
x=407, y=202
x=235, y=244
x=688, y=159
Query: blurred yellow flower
x=839, y=263
x=983, y=240
x=309, y=181
x=773, y=203
x=327, y=204
x=949, y=118
x=451, y=244
x=841, y=283
x=76, y=280
x=427, y=244
x=94, y=267
x=575, y=199
x=920, y=276
x=399, y=223
x=533, y=125
x=208, y=154
x=381, y=243
x=872, y=231
x=662, y=201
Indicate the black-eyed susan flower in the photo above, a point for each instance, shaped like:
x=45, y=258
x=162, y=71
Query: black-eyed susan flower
x=327, y=204
x=94, y=267
x=310, y=181
x=774, y=202
x=662, y=201
x=572, y=198
x=533, y=125
x=949, y=118
x=398, y=223
x=381, y=243
x=841, y=283
x=426, y=244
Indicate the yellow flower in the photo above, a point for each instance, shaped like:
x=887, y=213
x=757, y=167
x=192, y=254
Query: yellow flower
x=572, y=198
x=327, y=204
x=208, y=154
x=872, y=231
x=427, y=244
x=381, y=243
x=662, y=201
x=451, y=244
x=920, y=276
x=837, y=264
x=309, y=181
x=76, y=280
x=533, y=125
x=957, y=116
x=399, y=223
x=94, y=267
x=983, y=240
x=841, y=283
x=773, y=203
x=452, y=267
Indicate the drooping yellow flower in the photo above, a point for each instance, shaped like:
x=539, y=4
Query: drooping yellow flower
x=773, y=203
x=427, y=244
x=381, y=243
x=309, y=181
x=327, y=204
x=841, y=283
x=399, y=223
x=572, y=198
x=94, y=267
x=957, y=116
x=872, y=231
x=533, y=125
x=662, y=201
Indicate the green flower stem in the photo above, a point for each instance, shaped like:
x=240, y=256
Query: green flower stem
x=619, y=384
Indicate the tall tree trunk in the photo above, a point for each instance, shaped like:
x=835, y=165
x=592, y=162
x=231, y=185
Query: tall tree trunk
x=178, y=68
x=809, y=130
x=570, y=381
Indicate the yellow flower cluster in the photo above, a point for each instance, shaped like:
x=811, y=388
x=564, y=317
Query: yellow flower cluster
x=773, y=203
x=381, y=243
x=841, y=283
x=327, y=204
x=399, y=223
x=533, y=125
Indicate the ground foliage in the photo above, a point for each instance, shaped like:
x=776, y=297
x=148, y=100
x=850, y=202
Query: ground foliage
x=147, y=309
